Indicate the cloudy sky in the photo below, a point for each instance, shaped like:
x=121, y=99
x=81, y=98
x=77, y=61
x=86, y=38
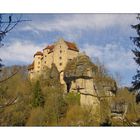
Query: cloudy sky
x=102, y=36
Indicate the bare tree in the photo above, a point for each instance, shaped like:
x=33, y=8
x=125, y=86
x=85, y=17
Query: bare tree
x=7, y=23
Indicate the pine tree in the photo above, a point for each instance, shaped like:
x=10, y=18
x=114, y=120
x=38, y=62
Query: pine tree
x=136, y=51
x=38, y=98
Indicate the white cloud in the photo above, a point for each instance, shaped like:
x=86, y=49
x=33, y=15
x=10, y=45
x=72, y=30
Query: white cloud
x=116, y=58
x=69, y=22
x=19, y=52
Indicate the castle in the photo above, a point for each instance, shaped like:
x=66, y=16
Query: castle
x=59, y=54
x=77, y=72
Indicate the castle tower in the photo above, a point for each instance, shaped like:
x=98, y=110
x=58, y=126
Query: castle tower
x=48, y=56
x=38, y=62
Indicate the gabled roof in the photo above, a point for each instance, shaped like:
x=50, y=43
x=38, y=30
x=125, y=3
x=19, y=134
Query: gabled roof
x=38, y=53
x=50, y=47
x=71, y=46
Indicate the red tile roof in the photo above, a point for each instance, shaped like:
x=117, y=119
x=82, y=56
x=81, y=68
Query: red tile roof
x=38, y=53
x=71, y=46
x=49, y=47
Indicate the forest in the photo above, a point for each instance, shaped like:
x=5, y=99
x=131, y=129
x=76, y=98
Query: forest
x=43, y=103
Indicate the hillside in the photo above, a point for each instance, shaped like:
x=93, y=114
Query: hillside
x=44, y=103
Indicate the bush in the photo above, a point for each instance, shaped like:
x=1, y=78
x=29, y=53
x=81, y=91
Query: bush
x=72, y=98
x=37, y=117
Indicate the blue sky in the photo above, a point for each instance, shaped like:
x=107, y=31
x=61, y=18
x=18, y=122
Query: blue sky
x=102, y=36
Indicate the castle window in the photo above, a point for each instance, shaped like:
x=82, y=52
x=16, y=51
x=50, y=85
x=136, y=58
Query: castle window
x=38, y=67
x=45, y=62
x=45, y=55
x=60, y=51
x=60, y=64
x=38, y=62
x=60, y=46
x=60, y=57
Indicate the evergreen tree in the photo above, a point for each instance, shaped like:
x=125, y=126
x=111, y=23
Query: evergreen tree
x=136, y=51
x=38, y=98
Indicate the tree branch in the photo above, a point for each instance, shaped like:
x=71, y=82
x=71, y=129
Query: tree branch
x=9, y=77
x=96, y=95
x=10, y=102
